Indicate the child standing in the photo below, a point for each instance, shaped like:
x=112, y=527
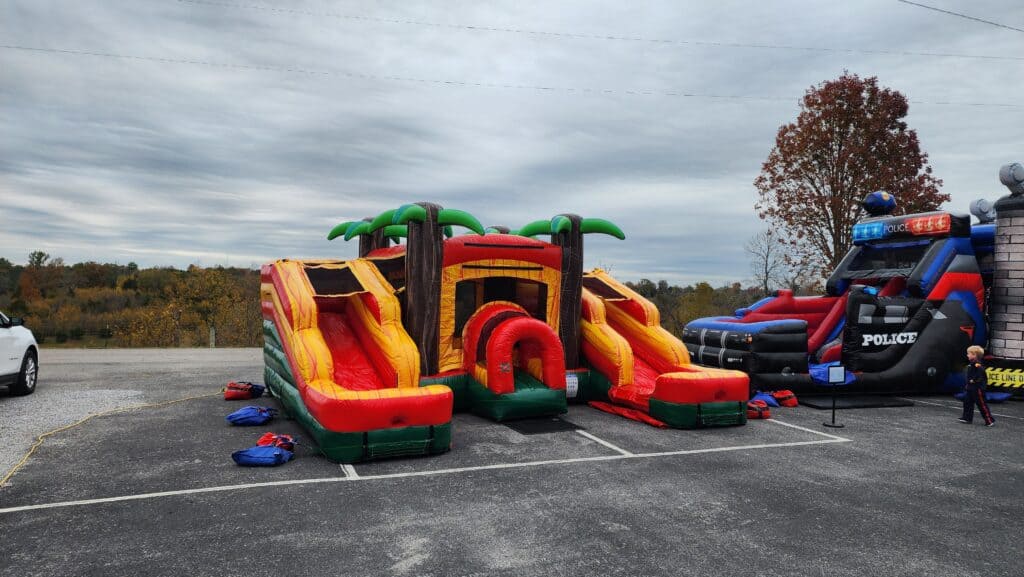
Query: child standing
x=974, y=392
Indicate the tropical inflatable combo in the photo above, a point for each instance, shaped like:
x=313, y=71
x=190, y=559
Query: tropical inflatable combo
x=373, y=355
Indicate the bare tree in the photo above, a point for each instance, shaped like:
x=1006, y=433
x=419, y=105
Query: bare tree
x=801, y=277
x=767, y=260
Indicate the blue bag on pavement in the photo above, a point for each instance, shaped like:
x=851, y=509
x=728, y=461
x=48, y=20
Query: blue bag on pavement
x=260, y=456
x=767, y=398
x=251, y=415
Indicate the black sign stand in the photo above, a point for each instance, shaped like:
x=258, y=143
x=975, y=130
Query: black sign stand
x=836, y=378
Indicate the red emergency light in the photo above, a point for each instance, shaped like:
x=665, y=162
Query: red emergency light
x=929, y=224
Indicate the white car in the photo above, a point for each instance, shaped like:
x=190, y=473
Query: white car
x=19, y=357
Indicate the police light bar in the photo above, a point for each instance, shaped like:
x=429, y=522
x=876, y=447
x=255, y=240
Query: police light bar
x=928, y=224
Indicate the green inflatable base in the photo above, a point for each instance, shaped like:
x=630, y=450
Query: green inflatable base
x=697, y=415
x=593, y=386
x=531, y=398
x=457, y=383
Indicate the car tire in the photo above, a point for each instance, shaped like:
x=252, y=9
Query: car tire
x=28, y=376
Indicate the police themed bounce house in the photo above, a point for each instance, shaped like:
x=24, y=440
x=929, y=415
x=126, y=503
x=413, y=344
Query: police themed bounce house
x=898, y=312
x=372, y=355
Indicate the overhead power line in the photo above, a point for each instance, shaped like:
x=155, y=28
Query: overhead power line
x=575, y=35
x=442, y=82
x=959, y=15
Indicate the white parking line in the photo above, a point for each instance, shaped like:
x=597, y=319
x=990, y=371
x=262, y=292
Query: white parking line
x=958, y=405
x=602, y=442
x=364, y=478
x=799, y=428
x=349, y=471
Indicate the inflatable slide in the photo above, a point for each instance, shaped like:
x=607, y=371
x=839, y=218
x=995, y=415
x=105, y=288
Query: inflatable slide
x=342, y=364
x=647, y=368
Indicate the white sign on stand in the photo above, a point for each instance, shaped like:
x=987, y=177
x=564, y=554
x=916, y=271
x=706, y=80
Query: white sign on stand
x=836, y=377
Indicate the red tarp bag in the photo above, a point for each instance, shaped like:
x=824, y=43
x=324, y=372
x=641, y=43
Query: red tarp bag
x=786, y=398
x=758, y=410
x=242, y=390
x=286, y=442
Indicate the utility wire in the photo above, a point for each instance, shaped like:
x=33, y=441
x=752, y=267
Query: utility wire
x=439, y=82
x=957, y=14
x=593, y=36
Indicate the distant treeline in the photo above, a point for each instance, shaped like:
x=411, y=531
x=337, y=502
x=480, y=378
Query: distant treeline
x=680, y=305
x=93, y=304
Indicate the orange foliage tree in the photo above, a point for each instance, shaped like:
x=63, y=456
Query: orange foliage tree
x=158, y=307
x=848, y=140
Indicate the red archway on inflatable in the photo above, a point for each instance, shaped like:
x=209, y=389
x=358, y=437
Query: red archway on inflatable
x=490, y=340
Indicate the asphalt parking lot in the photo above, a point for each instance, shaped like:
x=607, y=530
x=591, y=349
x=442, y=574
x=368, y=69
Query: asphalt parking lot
x=153, y=491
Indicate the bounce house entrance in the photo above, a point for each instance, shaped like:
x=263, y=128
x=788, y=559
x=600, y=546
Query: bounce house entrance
x=471, y=295
x=515, y=361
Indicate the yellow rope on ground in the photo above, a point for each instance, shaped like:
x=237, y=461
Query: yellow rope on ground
x=39, y=439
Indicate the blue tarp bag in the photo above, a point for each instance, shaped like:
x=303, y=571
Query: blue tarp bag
x=269, y=456
x=767, y=398
x=251, y=415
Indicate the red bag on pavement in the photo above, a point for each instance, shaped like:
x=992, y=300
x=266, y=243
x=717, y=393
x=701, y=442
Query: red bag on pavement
x=758, y=410
x=286, y=442
x=241, y=390
x=786, y=398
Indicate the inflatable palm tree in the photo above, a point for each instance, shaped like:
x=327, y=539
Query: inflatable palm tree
x=368, y=241
x=567, y=231
x=425, y=227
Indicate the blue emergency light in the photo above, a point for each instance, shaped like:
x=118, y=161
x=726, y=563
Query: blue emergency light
x=866, y=231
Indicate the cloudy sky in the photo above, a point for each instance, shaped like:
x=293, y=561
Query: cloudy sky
x=171, y=132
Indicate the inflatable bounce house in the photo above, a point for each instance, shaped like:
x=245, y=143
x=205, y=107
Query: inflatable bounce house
x=898, y=312
x=372, y=355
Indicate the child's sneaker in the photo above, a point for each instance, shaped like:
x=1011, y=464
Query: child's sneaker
x=964, y=421
x=992, y=424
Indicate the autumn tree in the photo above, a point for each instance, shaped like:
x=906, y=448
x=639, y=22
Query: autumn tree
x=134, y=307
x=848, y=140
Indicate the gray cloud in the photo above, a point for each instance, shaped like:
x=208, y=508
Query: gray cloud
x=122, y=159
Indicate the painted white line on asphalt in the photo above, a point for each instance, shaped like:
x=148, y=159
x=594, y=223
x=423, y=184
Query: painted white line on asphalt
x=957, y=405
x=364, y=478
x=350, y=471
x=737, y=448
x=171, y=494
x=799, y=428
x=602, y=442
